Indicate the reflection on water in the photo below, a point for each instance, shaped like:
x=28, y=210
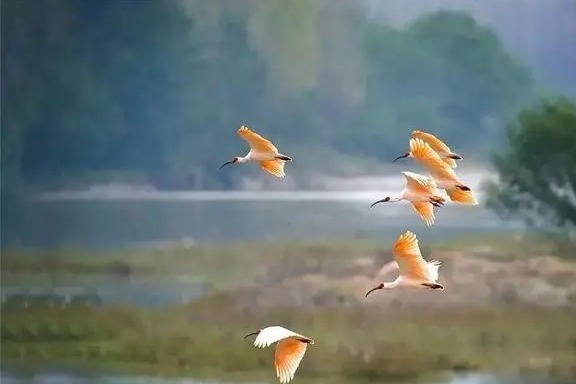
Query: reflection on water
x=71, y=378
x=98, y=378
x=100, y=290
x=152, y=219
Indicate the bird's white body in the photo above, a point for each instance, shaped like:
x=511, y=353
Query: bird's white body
x=446, y=183
x=422, y=193
x=253, y=155
x=407, y=282
x=413, y=190
x=290, y=349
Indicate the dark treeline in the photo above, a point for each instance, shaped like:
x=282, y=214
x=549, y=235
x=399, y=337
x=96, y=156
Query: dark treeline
x=154, y=90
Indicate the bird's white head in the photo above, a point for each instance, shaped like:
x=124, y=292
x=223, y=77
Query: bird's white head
x=381, y=286
x=256, y=333
x=384, y=200
x=234, y=160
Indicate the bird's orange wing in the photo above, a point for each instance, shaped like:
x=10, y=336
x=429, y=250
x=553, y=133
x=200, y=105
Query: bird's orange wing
x=409, y=259
x=274, y=167
x=450, y=162
x=287, y=357
x=426, y=211
x=255, y=141
x=419, y=183
x=425, y=155
x=434, y=142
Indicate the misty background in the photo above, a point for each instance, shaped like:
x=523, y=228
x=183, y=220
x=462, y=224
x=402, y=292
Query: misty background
x=125, y=249
x=151, y=93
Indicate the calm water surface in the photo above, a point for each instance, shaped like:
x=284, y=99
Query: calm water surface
x=96, y=378
x=126, y=218
x=146, y=219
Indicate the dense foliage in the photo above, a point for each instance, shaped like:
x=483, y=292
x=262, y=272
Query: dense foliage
x=537, y=171
x=154, y=90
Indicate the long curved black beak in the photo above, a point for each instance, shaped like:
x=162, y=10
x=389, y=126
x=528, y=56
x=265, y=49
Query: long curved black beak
x=401, y=157
x=376, y=202
x=225, y=164
x=250, y=334
x=372, y=290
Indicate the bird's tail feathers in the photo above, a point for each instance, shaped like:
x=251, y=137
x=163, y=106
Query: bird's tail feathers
x=435, y=262
x=283, y=157
x=455, y=156
x=462, y=187
x=437, y=200
x=462, y=197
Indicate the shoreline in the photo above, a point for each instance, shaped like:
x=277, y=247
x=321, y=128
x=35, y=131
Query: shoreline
x=498, y=291
x=409, y=345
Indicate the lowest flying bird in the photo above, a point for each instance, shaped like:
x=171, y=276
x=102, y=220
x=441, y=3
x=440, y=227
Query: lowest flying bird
x=262, y=151
x=421, y=192
x=437, y=145
x=289, y=352
x=415, y=272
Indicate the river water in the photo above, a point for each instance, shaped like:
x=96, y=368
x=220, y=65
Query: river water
x=113, y=218
x=55, y=377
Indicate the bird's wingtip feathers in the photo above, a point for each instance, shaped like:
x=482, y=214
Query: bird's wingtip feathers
x=407, y=235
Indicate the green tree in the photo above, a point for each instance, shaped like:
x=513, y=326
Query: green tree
x=537, y=171
x=444, y=73
x=477, y=79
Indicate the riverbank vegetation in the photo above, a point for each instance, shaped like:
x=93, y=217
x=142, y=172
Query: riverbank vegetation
x=509, y=304
x=537, y=182
x=241, y=258
x=205, y=339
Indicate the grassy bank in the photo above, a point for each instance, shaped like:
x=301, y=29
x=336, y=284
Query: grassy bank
x=231, y=265
x=205, y=339
x=508, y=305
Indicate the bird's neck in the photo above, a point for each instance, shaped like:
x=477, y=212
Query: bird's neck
x=395, y=199
x=391, y=284
x=244, y=159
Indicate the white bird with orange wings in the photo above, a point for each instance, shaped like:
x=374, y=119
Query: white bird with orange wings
x=437, y=145
x=289, y=352
x=415, y=272
x=441, y=172
x=421, y=192
x=262, y=151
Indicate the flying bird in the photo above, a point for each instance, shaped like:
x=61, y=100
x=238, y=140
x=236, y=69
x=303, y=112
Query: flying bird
x=415, y=272
x=262, y=151
x=421, y=192
x=442, y=173
x=289, y=352
x=437, y=145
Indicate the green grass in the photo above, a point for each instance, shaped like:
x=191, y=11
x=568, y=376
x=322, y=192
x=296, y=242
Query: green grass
x=356, y=342
x=227, y=265
x=240, y=264
x=205, y=339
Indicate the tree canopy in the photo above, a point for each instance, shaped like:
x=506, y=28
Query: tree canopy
x=157, y=88
x=537, y=172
